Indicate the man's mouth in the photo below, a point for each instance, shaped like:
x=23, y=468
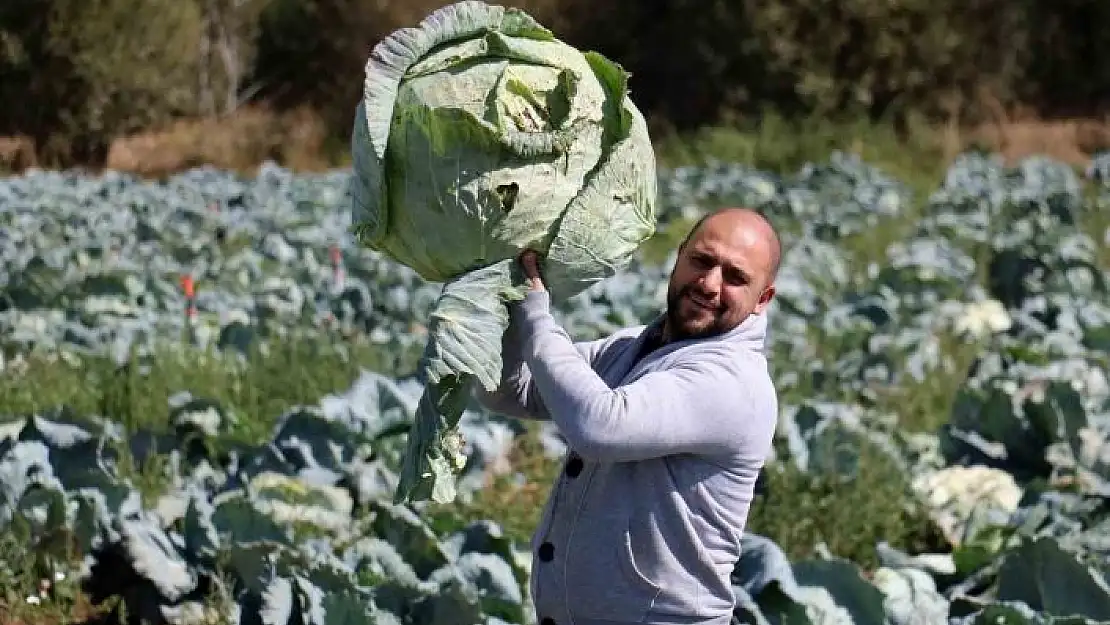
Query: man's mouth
x=700, y=303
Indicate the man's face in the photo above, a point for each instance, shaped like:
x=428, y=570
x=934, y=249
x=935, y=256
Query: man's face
x=722, y=275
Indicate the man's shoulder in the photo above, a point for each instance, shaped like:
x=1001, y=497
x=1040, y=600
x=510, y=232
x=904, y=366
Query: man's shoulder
x=733, y=373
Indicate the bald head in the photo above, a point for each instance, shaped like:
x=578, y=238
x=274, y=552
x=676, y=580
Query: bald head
x=746, y=218
x=724, y=272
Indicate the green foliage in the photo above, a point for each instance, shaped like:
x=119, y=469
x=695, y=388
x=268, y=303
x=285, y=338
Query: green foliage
x=134, y=58
x=78, y=73
x=136, y=395
x=75, y=73
x=850, y=516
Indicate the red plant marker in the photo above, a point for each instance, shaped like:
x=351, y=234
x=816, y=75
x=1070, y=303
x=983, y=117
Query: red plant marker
x=188, y=287
x=336, y=268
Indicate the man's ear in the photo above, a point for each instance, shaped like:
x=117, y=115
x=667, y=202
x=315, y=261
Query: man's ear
x=765, y=298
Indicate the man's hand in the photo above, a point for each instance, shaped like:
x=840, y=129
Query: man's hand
x=528, y=260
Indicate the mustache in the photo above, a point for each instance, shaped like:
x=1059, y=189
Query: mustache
x=691, y=289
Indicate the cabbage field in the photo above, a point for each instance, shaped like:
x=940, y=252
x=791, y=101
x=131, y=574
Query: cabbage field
x=206, y=389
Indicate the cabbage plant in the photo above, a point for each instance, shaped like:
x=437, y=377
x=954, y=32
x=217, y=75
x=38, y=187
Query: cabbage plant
x=480, y=135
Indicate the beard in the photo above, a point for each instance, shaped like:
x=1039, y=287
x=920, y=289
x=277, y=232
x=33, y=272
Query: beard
x=688, y=320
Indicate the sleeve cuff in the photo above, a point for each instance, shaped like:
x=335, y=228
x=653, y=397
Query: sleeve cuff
x=535, y=305
x=534, y=312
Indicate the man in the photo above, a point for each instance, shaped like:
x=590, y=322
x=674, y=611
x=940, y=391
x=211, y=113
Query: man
x=667, y=425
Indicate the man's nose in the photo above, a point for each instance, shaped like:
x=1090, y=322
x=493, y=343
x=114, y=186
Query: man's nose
x=711, y=281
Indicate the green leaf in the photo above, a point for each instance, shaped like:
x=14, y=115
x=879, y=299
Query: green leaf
x=1050, y=579
x=844, y=581
x=467, y=325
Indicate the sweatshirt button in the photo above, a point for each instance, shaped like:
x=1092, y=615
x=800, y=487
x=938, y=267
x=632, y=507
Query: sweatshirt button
x=574, y=466
x=547, y=552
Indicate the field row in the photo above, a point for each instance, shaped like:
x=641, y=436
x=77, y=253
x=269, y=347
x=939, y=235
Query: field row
x=208, y=389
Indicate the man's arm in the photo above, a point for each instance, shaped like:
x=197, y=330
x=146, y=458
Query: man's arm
x=516, y=395
x=696, y=408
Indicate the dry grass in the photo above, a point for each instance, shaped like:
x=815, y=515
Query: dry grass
x=299, y=140
x=1070, y=140
x=17, y=153
x=239, y=142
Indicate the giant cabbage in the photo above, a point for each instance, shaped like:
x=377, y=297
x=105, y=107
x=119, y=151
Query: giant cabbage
x=480, y=135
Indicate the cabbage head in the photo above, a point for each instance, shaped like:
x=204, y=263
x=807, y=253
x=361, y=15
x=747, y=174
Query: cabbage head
x=480, y=135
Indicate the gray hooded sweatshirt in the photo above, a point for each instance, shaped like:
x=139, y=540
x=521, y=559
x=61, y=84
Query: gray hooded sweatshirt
x=644, y=522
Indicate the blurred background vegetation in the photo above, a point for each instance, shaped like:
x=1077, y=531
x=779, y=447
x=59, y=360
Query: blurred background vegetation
x=154, y=86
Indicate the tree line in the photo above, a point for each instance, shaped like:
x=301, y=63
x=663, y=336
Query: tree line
x=74, y=74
